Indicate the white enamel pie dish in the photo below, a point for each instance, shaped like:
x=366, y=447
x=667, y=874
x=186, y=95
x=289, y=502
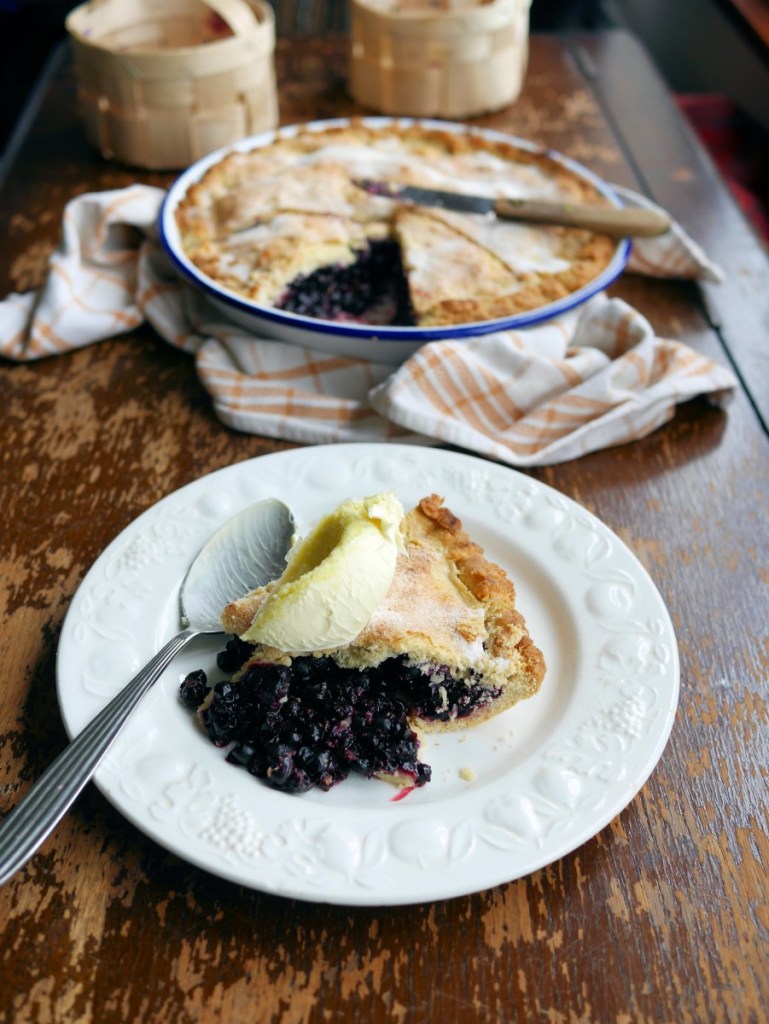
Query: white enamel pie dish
x=376, y=343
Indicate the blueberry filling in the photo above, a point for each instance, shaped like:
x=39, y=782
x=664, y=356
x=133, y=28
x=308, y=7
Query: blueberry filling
x=372, y=289
x=313, y=723
x=194, y=689
x=236, y=653
x=433, y=693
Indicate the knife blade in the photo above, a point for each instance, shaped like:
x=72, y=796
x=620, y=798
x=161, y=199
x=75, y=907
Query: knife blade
x=621, y=221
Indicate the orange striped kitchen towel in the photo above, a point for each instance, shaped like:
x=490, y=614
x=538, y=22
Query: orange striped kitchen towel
x=594, y=377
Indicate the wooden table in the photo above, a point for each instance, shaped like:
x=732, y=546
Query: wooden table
x=662, y=917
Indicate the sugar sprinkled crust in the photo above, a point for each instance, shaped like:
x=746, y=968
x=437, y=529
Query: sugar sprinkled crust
x=259, y=220
x=487, y=277
x=448, y=605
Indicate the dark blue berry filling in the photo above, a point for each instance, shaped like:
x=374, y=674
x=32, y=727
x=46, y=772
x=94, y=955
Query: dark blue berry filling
x=313, y=723
x=236, y=653
x=433, y=693
x=372, y=289
x=194, y=689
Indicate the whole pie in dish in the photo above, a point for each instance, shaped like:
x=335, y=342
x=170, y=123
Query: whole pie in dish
x=286, y=226
x=443, y=649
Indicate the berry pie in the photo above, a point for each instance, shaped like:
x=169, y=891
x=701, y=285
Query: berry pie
x=444, y=649
x=285, y=225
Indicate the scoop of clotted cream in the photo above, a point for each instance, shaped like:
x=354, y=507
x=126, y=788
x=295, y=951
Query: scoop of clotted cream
x=334, y=578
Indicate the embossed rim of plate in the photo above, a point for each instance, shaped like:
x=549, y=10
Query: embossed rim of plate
x=598, y=736
x=169, y=237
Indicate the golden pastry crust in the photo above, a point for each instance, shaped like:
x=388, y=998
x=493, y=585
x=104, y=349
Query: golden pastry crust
x=511, y=660
x=258, y=220
x=448, y=605
x=479, y=284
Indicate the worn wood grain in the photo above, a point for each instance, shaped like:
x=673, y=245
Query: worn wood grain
x=661, y=918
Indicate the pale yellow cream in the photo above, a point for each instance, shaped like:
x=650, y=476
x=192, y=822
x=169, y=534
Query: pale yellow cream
x=335, y=578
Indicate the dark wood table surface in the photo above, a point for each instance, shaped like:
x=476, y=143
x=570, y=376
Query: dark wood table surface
x=663, y=916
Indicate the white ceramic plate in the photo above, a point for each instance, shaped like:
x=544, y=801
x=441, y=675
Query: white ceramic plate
x=543, y=777
x=378, y=344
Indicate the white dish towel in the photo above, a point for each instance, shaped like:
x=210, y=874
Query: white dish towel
x=592, y=378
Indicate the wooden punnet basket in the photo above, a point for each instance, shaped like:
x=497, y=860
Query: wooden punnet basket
x=163, y=82
x=445, y=58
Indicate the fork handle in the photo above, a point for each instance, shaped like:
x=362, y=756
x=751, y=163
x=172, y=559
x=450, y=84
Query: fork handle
x=36, y=815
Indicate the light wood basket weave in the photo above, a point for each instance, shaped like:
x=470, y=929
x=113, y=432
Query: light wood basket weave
x=163, y=82
x=445, y=58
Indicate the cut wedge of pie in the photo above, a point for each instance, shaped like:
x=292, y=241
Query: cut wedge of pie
x=286, y=226
x=444, y=649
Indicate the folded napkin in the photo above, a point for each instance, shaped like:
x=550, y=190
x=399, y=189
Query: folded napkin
x=594, y=377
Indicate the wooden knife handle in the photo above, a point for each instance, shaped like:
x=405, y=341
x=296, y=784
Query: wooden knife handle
x=607, y=220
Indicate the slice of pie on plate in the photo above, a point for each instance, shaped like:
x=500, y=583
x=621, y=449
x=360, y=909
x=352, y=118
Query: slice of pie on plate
x=444, y=649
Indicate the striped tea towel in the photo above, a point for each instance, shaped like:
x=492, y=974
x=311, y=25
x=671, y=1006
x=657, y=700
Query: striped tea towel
x=594, y=377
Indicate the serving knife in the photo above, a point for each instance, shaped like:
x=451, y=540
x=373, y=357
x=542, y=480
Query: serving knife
x=609, y=220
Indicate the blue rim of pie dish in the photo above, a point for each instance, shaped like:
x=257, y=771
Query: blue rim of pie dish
x=348, y=329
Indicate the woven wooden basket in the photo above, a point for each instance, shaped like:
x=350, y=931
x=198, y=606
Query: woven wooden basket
x=445, y=58
x=163, y=82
